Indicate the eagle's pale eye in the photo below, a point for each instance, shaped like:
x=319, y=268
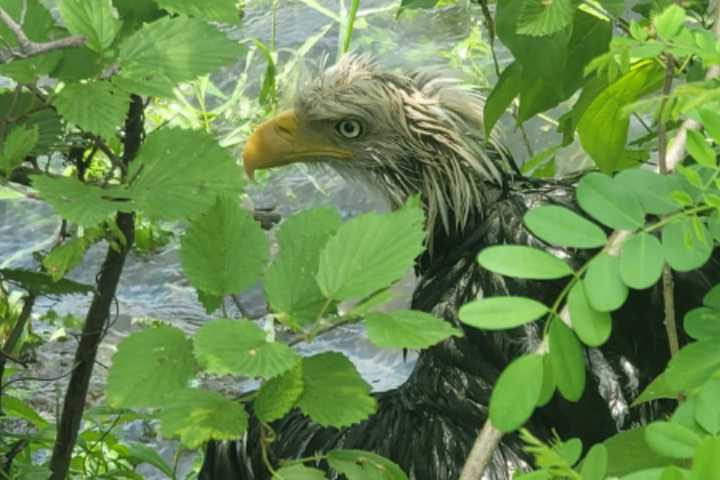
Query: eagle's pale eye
x=349, y=128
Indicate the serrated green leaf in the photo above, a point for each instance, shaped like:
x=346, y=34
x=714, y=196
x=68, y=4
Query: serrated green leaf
x=334, y=392
x=652, y=189
x=177, y=174
x=407, y=329
x=235, y=347
x=641, y=261
x=568, y=362
x=523, y=262
x=498, y=313
x=212, y=10
x=604, y=286
x=603, y=127
x=702, y=323
x=370, y=252
x=609, y=203
x=563, y=227
x=539, y=18
x=278, y=395
x=290, y=283
x=669, y=22
x=299, y=472
x=671, y=439
x=706, y=461
x=210, y=302
x=197, y=416
x=43, y=284
x=516, y=392
x=76, y=202
x=148, y=367
x=178, y=49
x=501, y=97
x=700, y=150
x=679, y=255
x=97, y=107
x=594, y=467
x=17, y=145
x=224, y=250
x=591, y=326
x=363, y=465
x=707, y=408
x=94, y=20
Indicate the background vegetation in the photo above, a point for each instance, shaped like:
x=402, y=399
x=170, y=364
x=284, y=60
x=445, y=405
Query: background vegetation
x=109, y=116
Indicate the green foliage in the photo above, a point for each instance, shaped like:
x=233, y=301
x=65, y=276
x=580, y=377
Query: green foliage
x=224, y=250
x=605, y=200
x=567, y=361
x=641, y=261
x=214, y=10
x=359, y=465
x=523, y=262
x=278, y=395
x=563, y=227
x=238, y=346
x=18, y=145
x=407, y=329
x=96, y=107
x=516, y=392
x=93, y=20
x=501, y=312
x=299, y=472
x=591, y=326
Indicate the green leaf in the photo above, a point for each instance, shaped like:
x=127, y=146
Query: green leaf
x=548, y=382
x=563, y=227
x=213, y=10
x=278, y=395
x=96, y=107
x=516, y=392
x=568, y=362
x=609, y=203
x=239, y=347
x=334, y=392
x=706, y=461
x=502, y=95
x=679, y=255
x=149, y=455
x=290, y=283
x=412, y=4
x=177, y=174
x=370, y=252
x=407, y=329
x=14, y=407
x=542, y=164
x=76, y=202
x=700, y=150
x=712, y=297
x=176, y=49
x=18, y=145
x=94, y=20
x=594, y=467
x=629, y=452
x=64, y=257
x=671, y=439
x=711, y=123
x=707, y=408
x=603, y=284
x=498, y=313
x=299, y=472
x=702, y=323
x=540, y=18
x=224, y=250
x=197, y=416
x=652, y=189
x=641, y=261
x=591, y=326
x=43, y=284
x=362, y=465
x=669, y=22
x=523, y=262
x=603, y=127
x=149, y=367
x=693, y=365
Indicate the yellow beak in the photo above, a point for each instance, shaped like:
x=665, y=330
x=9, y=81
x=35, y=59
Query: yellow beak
x=278, y=141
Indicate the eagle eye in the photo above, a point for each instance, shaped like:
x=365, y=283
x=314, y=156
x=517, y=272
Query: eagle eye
x=349, y=128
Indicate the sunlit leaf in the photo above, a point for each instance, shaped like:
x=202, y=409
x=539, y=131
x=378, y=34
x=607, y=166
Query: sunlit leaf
x=523, y=262
x=540, y=18
x=97, y=107
x=498, y=313
x=711, y=123
x=591, y=326
x=93, y=20
x=150, y=366
x=641, y=261
x=568, y=362
x=693, y=365
x=563, y=227
x=197, y=416
x=516, y=392
x=370, y=252
x=671, y=439
x=603, y=284
x=334, y=392
x=706, y=461
x=278, y=395
x=407, y=329
x=239, y=347
x=669, y=22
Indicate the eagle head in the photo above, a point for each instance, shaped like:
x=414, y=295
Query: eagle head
x=416, y=133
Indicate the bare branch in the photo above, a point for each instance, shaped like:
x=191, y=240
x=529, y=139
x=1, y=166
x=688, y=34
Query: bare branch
x=28, y=48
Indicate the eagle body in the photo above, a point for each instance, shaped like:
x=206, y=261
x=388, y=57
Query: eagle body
x=419, y=135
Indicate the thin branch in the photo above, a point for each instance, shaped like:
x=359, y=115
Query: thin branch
x=28, y=48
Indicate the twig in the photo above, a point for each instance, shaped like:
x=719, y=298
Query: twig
x=28, y=48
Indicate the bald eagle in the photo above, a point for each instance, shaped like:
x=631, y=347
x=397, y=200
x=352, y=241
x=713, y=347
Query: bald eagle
x=420, y=134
